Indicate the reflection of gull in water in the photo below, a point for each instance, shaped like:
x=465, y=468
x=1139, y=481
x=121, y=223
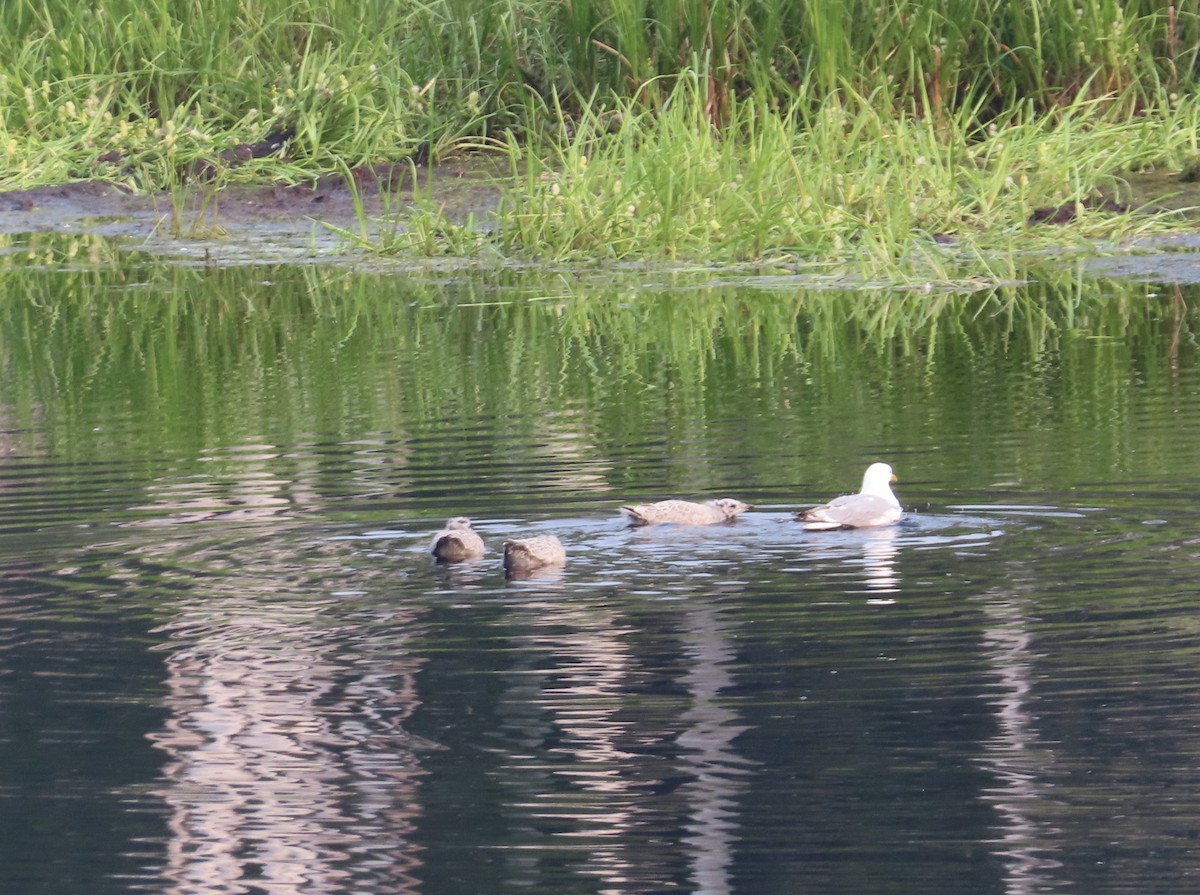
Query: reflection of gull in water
x=1014, y=755
x=879, y=553
x=873, y=550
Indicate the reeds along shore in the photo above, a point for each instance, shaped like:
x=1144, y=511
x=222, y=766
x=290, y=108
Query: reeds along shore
x=730, y=132
x=145, y=58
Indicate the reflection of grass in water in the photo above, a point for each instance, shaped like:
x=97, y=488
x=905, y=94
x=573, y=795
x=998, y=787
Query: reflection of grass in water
x=212, y=357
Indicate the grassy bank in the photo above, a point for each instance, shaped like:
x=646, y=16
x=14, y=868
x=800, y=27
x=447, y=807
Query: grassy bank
x=843, y=179
x=863, y=132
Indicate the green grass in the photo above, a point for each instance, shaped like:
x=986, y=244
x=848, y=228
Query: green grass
x=845, y=183
x=850, y=133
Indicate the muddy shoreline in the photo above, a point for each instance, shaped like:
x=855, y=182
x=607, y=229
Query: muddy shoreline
x=252, y=218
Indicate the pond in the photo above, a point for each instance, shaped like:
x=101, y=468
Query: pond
x=228, y=663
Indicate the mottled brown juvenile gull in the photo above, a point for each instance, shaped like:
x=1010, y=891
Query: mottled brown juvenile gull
x=874, y=505
x=530, y=554
x=457, y=541
x=684, y=512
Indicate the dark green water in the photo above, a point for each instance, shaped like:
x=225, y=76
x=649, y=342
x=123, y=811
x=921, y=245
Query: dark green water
x=227, y=664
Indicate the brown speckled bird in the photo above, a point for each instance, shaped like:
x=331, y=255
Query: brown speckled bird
x=530, y=554
x=684, y=512
x=458, y=541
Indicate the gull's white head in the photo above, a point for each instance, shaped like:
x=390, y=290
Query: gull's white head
x=878, y=480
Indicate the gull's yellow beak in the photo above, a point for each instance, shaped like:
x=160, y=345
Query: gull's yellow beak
x=895, y=478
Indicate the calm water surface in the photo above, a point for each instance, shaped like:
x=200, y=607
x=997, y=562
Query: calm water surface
x=228, y=665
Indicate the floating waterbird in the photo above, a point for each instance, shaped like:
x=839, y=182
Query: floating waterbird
x=523, y=555
x=874, y=505
x=458, y=541
x=684, y=512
